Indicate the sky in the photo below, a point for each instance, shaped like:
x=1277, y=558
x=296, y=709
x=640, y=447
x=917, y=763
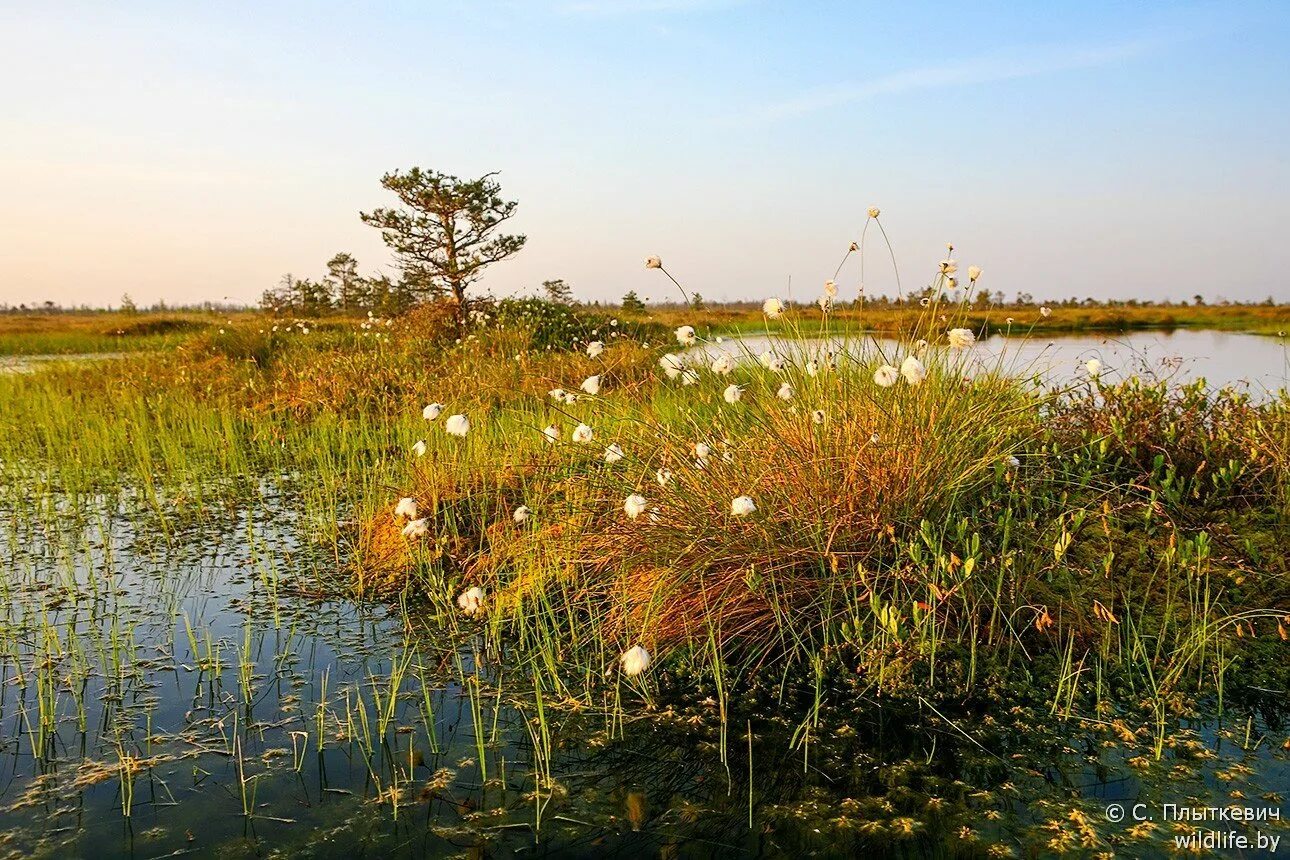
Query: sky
x=191, y=152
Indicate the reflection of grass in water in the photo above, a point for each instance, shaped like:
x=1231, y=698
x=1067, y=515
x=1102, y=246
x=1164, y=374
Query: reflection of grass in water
x=663, y=783
x=889, y=779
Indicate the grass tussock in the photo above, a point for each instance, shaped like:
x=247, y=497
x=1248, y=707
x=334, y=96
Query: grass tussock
x=831, y=498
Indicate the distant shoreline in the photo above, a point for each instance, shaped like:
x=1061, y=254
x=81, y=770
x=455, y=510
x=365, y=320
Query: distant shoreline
x=98, y=331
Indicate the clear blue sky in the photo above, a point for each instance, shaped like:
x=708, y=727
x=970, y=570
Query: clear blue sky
x=199, y=151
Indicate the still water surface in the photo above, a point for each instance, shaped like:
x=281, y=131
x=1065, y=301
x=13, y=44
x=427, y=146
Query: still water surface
x=1259, y=363
x=193, y=694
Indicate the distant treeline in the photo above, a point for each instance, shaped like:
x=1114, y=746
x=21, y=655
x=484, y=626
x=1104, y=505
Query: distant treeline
x=980, y=301
x=344, y=289
x=126, y=306
x=344, y=292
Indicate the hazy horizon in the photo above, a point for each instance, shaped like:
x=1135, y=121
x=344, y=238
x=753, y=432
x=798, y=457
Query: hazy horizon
x=194, y=154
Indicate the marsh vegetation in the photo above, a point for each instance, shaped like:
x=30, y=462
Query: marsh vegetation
x=493, y=575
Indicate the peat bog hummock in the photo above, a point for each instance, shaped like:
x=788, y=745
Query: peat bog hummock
x=753, y=538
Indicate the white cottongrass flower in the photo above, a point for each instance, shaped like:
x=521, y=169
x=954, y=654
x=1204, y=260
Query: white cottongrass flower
x=663, y=477
x=685, y=335
x=742, y=506
x=830, y=289
x=771, y=361
x=812, y=368
x=634, y=660
x=407, y=508
x=522, y=514
x=873, y=438
x=552, y=433
x=419, y=449
x=818, y=416
x=634, y=506
x=702, y=452
x=732, y=394
x=825, y=303
x=689, y=377
x=457, y=425
x=432, y=411
x=974, y=272
x=772, y=307
x=570, y=397
x=556, y=394
x=591, y=385
x=1094, y=367
x=949, y=267
x=613, y=453
x=786, y=391
x=913, y=371
x=416, y=528
x=595, y=348
x=582, y=434
x=886, y=376
x=961, y=338
x=1045, y=312
x=653, y=263
x=1013, y=462
x=471, y=601
x=723, y=364
x=672, y=365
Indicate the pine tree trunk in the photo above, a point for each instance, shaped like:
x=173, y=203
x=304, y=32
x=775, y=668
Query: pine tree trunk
x=459, y=296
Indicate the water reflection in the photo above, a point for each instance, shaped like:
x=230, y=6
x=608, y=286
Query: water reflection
x=194, y=697
x=1221, y=358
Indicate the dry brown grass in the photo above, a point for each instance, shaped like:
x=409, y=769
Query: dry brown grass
x=831, y=502
x=383, y=557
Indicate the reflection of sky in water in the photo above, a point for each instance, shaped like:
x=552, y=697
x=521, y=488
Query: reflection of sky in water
x=1222, y=358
